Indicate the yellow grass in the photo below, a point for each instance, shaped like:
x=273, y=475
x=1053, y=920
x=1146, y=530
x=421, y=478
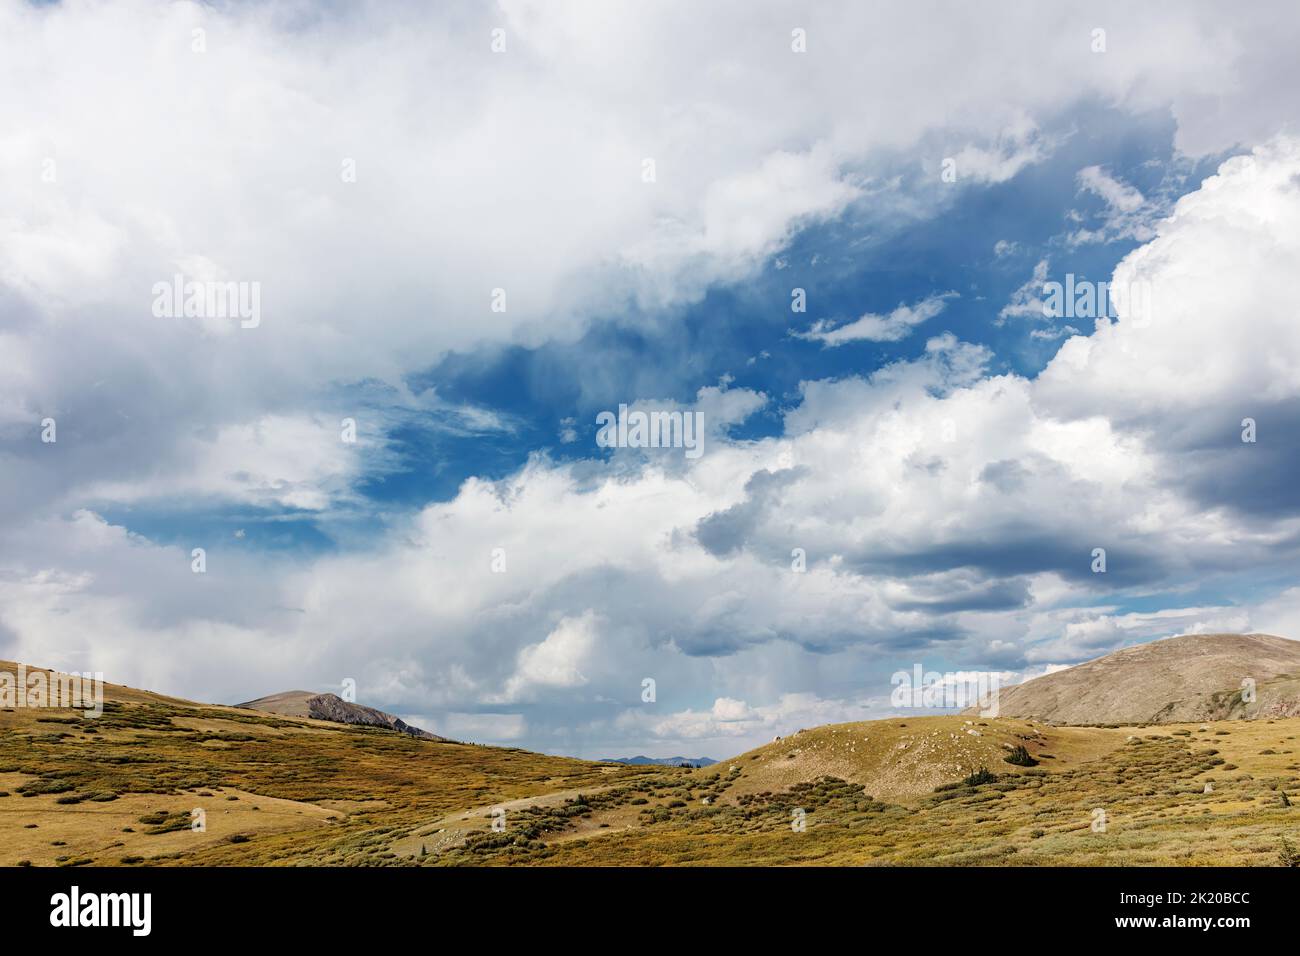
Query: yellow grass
x=284, y=790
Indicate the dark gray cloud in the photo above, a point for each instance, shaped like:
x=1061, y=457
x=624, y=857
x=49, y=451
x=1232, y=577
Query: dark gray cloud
x=725, y=532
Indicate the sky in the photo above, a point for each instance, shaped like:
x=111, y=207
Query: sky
x=827, y=233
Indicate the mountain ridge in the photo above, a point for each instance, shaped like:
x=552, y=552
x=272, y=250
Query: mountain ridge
x=331, y=707
x=1178, y=679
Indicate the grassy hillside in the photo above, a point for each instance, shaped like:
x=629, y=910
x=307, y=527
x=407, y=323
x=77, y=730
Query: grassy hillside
x=862, y=804
x=901, y=759
x=935, y=790
x=121, y=787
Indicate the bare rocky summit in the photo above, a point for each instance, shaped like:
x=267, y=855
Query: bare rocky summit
x=331, y=707
x=1190, y=678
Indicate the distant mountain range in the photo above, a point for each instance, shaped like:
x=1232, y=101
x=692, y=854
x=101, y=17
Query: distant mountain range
x=662, y=761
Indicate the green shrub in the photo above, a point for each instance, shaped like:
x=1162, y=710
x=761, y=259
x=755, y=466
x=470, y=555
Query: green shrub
x=1021, y=757
x=1287, y=856
x=980, y=776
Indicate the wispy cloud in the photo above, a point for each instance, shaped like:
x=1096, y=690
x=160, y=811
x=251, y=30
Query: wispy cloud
x=871, y=327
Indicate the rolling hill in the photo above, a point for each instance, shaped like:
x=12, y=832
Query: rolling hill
x=123, y=788
x=1195, y=677
x=331, y=707
x=926, y=792
x=157, y=780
